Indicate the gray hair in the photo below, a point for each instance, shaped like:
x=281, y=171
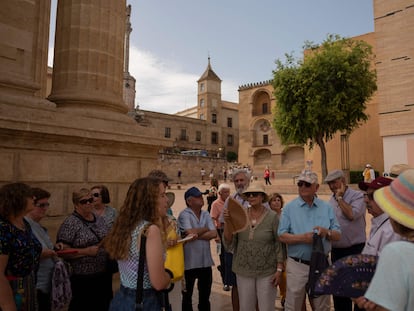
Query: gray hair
x=241, y=171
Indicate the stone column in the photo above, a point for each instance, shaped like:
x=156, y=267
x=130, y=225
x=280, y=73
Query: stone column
x=89, y=55
x=24, y=33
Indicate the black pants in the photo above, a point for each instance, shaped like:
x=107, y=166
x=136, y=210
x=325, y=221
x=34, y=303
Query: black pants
x=43, y=300
x=91, y=292
x=344, y=303
x=205, y=280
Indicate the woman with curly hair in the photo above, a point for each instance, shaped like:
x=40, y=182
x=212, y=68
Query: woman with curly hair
x=144, y=206
x=19, y=249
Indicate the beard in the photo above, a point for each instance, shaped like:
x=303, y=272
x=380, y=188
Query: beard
x=241, y=189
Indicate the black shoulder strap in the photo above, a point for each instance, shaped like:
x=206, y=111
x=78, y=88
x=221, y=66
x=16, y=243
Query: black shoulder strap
x=140, y=277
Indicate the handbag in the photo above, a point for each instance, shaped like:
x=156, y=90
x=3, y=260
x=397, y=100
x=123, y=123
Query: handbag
x=161, y=295
x=174, y=260
x=318, y=263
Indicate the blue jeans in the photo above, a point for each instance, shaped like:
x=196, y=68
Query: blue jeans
x=124, y=300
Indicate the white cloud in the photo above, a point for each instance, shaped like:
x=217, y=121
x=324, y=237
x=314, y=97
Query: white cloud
x=159, y=86
x=163, y=87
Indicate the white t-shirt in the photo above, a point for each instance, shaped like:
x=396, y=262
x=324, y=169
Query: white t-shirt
x=392, y=286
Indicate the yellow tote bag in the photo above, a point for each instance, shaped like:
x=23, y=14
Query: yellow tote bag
x=174, y=260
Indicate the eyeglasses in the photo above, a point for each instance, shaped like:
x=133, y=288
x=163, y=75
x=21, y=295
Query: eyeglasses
x=370, y=196
x=42, y=205
x=84, y=201
x=252, y=194
x=96, y=194
x=304, y=183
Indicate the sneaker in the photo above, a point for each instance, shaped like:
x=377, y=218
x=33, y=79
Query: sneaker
x=226, y=288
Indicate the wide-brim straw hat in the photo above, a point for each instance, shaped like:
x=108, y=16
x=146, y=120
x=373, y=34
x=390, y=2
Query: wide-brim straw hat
x=397, y=200
x=171, y=198
x=238, y=220
x=257, y=188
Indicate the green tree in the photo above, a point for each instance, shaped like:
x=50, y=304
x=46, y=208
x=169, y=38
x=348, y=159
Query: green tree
x=323, y=93
x=231, y=156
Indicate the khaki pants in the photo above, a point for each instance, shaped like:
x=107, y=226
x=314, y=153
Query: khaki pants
x=256, y=289
x=297, y=277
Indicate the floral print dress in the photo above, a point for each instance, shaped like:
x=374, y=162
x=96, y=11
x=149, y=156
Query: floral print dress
x=24, y=251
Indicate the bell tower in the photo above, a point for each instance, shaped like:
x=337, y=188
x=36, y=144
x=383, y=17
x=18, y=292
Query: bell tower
x=209, y=96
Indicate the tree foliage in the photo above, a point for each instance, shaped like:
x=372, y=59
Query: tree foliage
x=324, y=93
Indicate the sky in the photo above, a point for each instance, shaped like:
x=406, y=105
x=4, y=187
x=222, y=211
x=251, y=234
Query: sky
x=171, y=42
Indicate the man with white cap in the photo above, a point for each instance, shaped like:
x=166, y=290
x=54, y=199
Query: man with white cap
x=349, y=208
x=300, y=219
x=381, y=230
x=392, y=285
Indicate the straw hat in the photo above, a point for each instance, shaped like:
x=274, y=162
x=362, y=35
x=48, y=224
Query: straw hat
x=397, y=200
x=238, y=220
x=171, y=198
x=256, y=188
x=397, y=169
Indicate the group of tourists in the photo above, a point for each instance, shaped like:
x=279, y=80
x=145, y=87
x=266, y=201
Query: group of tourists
x=263, y=243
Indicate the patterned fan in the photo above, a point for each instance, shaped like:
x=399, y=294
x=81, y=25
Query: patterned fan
x=349, y=276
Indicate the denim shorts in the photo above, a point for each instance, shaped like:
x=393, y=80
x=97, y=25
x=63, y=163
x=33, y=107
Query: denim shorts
x=124, y=300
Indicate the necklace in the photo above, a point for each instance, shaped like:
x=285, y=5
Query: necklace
x=254, y=217
x=254, y=220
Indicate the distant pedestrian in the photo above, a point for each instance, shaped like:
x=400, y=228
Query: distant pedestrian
x=266, y=176
x=202, y=173
x=211, y=175
x=179, y=176
x=368, y=173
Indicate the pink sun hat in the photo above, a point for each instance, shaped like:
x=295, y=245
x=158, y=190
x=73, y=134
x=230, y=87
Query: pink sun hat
x=397, y=199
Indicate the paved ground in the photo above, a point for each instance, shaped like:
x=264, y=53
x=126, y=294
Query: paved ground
x=220, y=300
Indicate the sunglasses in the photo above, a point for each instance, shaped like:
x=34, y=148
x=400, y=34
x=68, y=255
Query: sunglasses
x=42, y=205
x=84, y=201
x=252, y=194
x=304, y=183
x=96, y=194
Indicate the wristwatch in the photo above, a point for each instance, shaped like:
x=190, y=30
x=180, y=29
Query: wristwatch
x=339, y=198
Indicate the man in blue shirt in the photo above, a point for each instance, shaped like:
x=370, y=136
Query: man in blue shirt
x=300, y=219
x=197, y=251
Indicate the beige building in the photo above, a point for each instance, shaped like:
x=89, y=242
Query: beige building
x=220, y=118
x=394, y=28
x=81, y=134
x=260, y=145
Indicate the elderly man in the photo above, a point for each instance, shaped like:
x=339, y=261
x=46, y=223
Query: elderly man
x=349, y=208
x=241, y=180
x=381, y=230
x=300, y=219
x=216, y=209
x=197, y=252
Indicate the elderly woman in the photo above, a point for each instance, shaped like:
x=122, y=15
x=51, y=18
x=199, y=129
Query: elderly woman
x=82, y=232
x=48, y=255
x=392, y=285
x=101, y=199
x=258, y=259
x=19, y=249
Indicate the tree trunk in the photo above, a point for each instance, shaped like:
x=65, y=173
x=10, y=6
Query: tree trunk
x=321, y=144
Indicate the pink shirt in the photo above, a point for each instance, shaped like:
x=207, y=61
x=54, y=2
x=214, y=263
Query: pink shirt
x=215, y=212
